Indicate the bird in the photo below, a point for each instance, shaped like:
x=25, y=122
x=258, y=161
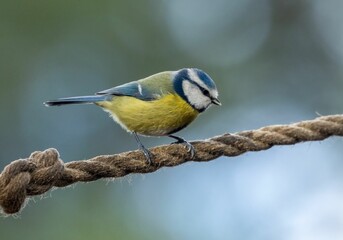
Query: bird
x=159, y=105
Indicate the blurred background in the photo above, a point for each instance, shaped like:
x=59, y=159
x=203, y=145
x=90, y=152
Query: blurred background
x=274, y=62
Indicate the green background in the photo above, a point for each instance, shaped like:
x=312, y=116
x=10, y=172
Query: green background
x=274, y=62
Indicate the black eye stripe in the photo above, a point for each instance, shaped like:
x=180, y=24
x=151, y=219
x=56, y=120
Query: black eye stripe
x=203, y=90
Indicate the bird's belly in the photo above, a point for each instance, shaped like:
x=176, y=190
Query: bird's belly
x=153, y=118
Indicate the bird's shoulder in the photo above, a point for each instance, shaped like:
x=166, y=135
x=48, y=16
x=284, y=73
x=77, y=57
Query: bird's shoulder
x=148, y=89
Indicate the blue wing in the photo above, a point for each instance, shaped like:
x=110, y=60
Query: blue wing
x=132, y=89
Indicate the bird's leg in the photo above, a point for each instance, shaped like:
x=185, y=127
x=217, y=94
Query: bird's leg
x=189, y=146
x=146, y=152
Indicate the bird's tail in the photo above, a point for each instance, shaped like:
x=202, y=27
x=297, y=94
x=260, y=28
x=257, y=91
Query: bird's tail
x=77, y=100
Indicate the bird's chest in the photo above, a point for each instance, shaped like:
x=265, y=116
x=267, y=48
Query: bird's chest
x=156, y=118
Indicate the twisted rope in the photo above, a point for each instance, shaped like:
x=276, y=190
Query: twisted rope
x=43, y=169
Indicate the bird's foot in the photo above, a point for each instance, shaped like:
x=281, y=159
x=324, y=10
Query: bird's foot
x=190, y=147
x=145, y=151
x=147, y=154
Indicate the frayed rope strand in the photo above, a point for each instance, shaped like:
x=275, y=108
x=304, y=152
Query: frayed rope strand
x=43, y=170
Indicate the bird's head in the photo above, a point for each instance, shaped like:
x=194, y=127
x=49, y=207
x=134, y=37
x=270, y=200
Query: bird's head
x=196, y=87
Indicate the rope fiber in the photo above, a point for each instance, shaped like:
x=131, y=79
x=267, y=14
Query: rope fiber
x=43, y=170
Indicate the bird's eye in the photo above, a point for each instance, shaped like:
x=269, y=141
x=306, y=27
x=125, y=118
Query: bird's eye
x=206, y=92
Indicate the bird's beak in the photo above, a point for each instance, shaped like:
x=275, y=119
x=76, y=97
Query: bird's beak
x=216, y=101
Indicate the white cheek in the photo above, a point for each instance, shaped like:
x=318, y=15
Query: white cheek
x=195, y=96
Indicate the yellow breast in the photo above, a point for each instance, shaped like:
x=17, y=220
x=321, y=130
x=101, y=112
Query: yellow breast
x=155, y=118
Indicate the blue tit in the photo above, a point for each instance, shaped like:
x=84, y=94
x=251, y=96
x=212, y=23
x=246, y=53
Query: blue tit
x=159, y=105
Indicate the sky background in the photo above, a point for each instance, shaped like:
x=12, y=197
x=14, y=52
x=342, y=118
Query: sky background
x=274, y=62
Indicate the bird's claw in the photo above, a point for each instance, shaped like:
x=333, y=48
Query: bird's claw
x=145, y=151
x=190, y=147
x=147, y=154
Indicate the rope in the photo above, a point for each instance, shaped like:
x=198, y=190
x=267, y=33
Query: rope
x=44, y=169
